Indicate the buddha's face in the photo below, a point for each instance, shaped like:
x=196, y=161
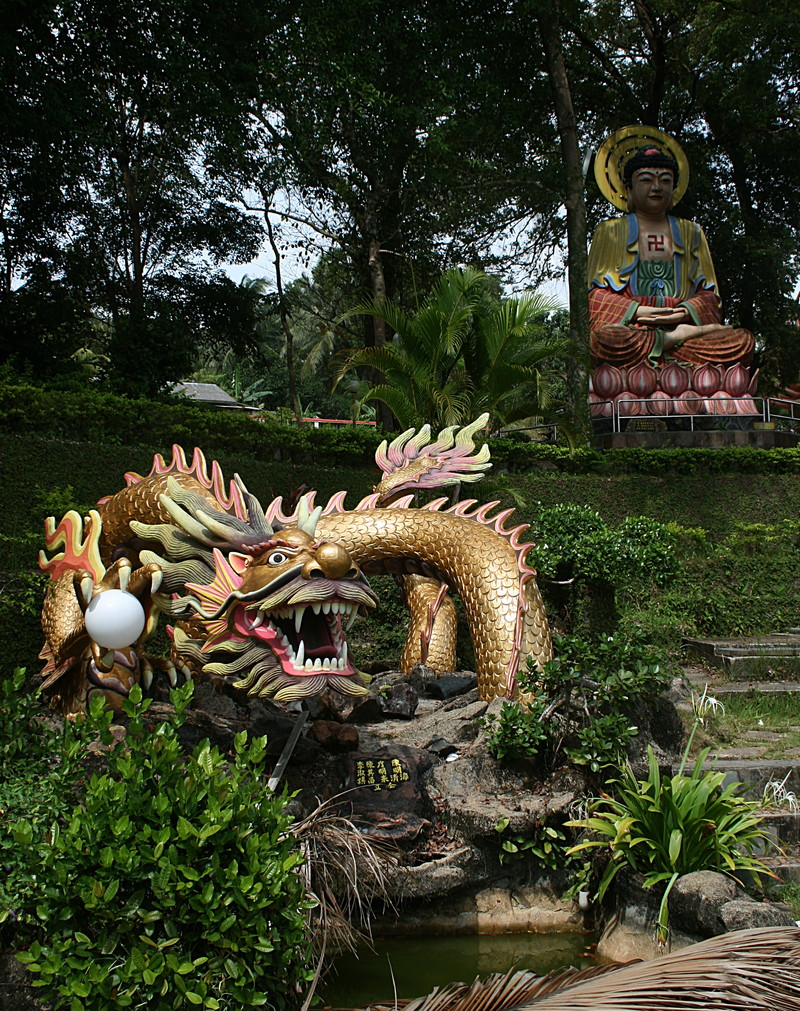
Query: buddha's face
x=651, y=191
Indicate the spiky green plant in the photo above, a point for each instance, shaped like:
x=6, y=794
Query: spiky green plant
x=666, y=826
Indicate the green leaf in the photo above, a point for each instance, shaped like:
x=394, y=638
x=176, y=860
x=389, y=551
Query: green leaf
x=204, y=759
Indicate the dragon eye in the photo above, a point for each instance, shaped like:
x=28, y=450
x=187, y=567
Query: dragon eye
x=277, y=558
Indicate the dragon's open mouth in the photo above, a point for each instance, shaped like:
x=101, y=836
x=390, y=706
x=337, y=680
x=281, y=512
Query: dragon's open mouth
x=307, y=638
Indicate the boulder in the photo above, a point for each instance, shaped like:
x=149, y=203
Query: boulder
x=477, y=792
x=448, y=686
x=696, y=901
x=745, y=912
x=334, y=737
x=384, y=793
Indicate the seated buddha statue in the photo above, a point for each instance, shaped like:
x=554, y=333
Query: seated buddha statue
x=652, y=287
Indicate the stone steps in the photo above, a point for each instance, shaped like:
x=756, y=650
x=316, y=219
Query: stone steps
x=722, y=690
x=745, y=764
x=746, y=658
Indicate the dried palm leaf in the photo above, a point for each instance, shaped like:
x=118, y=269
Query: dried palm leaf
x=345, y=873
x=497, y=992
x=749, y=970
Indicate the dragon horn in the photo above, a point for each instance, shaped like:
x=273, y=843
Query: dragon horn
x=255, y=513
x=197, y=518
x=187, y=522
x=306, y=518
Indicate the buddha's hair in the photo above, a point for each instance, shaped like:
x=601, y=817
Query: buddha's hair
x=650, y=157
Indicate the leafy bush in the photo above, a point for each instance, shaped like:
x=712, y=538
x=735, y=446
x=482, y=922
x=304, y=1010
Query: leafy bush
x=573, y=542
x=576, y=706
x=666, y=826
x=514, y=733
x=175, y=882
x=549, y=843
x=39, y=769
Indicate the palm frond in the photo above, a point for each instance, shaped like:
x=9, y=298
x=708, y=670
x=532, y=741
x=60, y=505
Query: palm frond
x=742, y=971
x=384, y=359
x=344, y=871
x=748, y=970
x=406, y=405
x=390, y=312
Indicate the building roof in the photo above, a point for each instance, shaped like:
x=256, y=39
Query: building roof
x=209, y=394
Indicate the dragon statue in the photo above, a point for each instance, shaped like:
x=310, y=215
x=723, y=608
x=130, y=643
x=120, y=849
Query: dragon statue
x=263, y=599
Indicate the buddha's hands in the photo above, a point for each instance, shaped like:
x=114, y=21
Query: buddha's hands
x=663, y=317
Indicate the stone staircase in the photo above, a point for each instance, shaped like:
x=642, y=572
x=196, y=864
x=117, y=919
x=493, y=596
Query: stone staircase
x=770, y=665
x=746, y=658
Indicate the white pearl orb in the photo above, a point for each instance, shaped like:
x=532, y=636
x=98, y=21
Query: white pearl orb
x=114, y=619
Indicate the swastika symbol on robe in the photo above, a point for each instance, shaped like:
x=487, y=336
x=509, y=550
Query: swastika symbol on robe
x=655, y=243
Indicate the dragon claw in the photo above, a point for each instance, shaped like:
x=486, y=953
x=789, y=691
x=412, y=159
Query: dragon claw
x=86, y=586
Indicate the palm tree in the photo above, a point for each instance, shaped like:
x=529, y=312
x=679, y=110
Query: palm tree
x=464, y=352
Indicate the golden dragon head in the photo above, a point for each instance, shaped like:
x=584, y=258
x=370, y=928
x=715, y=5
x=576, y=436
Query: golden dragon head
x=272, y=606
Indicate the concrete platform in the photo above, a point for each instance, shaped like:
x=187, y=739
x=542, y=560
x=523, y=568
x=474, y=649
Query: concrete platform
x=696, y=439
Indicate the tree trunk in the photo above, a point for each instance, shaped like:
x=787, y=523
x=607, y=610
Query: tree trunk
x=284, y=316
x=377, y=276
x=548, y=18
x=136, y=290
x=748, y=285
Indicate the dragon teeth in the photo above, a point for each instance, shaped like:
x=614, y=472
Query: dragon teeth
x=298, y=618
x=300, y=655
x=332, y=664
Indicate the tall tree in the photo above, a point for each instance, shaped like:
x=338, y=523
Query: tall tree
x=375, y=122
x=144, y=219
x=550, y=28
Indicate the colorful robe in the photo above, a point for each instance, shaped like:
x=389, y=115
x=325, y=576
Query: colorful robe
x=614, y=295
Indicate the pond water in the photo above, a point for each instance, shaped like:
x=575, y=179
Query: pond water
x=420, y=963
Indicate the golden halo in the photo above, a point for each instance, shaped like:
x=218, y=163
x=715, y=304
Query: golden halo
x=614, y=152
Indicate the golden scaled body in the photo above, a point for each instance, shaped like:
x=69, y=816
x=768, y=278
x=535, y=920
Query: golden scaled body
x=504, y=609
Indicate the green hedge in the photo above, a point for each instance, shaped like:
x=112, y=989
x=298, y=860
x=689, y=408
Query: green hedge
x=103, y=419
x=716, y=502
